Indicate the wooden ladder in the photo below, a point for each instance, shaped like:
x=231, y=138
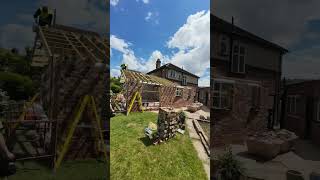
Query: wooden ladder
x=63, y=146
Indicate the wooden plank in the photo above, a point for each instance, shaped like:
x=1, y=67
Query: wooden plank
x=85, y=47
x=45, y=41
x=79, y=54
x=95, y=46
x=203, y=137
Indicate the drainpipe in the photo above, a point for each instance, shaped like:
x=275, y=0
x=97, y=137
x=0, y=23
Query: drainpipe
x=275, y=115
x=231, y=45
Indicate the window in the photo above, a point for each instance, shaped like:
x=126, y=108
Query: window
x=222, y=95
x=292, y=104
x=172, y=73
x=184, y=80
x=238, y=58
x=224, y=46
x=179, y=92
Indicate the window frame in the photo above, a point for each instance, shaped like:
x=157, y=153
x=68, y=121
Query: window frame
x=292, y=104
x=184, y=80
x=221, y=95
x=179, y=90
x=239, y=55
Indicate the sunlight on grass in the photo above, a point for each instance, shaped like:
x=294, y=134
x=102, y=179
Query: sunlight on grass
x=134, y=157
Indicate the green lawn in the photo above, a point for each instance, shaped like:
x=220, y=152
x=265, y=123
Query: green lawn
x=134, y=157
x=70, y=170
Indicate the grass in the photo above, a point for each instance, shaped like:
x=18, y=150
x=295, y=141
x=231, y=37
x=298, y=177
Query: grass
x=77, y=169
x=134, y=157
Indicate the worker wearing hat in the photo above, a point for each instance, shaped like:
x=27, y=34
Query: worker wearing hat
x=43, y=16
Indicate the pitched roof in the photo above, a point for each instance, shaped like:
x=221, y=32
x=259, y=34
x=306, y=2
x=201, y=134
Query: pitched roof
x=144, y=78
x=172, y=66
x=223, y=26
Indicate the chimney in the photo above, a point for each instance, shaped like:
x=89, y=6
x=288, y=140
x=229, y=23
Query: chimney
x=158, y=63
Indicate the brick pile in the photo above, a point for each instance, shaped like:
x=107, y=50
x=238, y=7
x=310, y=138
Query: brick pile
x=168, y=123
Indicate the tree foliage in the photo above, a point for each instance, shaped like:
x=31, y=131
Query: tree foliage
x=15, y=74
x=14, y=63
x=116, y=86
x=17, y=86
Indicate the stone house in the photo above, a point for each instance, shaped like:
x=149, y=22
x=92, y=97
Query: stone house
x=156, y=92
x=246, y=77
x=302, y=109
x=186, y=82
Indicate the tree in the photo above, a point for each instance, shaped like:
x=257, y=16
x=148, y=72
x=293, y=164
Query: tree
x=116, y=86
x=14, y=62
x=17, y=86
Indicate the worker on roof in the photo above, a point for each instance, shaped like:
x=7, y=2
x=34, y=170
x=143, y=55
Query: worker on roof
x=43, y=16
x=124, y=66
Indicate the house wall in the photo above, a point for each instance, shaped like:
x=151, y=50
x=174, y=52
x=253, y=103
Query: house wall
x=256, y=55
x=204, y=96
x=188, y=97
x=309, y=94
x=263, y=69
x=178, y=77
x=315, y=125
x=165, y=73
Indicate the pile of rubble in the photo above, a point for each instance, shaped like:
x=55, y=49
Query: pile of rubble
x=194, y=107
x=118, y=102
x=268, y=145
x=169, y=121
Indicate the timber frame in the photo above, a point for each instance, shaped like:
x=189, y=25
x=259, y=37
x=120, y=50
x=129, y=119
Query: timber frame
x=76, y=64
x=136, y=82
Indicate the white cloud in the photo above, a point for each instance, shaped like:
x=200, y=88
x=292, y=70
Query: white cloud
x=204, y=81
x=152, y=17
x=114, y=2
x=192, y=41
x=115, y=72
x=148, y=17
x=82, y=13
x=144, y=1
x=119, y=44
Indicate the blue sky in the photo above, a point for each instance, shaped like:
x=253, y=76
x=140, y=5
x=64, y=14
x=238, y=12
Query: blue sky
x=175, y=31
x=16, y=24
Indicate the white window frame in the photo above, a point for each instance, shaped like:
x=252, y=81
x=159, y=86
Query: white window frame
x=179, y=92
x=220, y=94
x=239, y=45
x=292, y=104
x=184, y=80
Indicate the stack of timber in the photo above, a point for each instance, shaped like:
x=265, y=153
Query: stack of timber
x=76, y=65
x=168, y=123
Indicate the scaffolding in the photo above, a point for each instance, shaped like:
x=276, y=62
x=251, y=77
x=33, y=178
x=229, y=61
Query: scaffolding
x=75, y=64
